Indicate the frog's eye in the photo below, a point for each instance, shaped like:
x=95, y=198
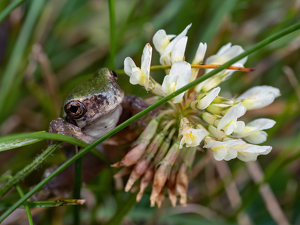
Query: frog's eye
x=113, y=73
x=75, y=109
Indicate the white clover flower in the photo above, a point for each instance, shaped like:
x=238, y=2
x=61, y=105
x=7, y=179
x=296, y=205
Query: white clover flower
x=247, y=152
x=192, y=137
x=226, y=53
x=207, y=100
x=179, y=76
x=229, y=122
x=253, y=131
x=163, y=45
x=223, y=150
x=137, y=75
x=259, y=96
x=198, y=59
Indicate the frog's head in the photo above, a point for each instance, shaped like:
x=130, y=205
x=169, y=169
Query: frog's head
x=93, y=98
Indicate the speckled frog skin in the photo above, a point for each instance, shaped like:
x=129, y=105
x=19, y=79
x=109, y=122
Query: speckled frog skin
x=91, y=109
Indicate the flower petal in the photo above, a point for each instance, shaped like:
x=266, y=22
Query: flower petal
x=177, y=53
x=200, y=53
x=170, y=46
x=259, y=96
x=249, y=152
x=129, y=65
x=257, y=137
x=146, y=63
x=224, y=48
x=207, y=100
x=160, y=40
x=179, y=76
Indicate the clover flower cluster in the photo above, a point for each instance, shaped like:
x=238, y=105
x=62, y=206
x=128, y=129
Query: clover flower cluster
x=165, y=151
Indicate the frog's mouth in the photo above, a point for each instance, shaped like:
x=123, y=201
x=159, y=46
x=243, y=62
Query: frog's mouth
x=102, y=124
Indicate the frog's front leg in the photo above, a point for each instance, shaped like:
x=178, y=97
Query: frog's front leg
x=58, y=126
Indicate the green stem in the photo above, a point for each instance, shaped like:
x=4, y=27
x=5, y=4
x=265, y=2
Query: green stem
x=55, y=203
x=112, y=21
x=28, y=169
x=10, y=8
x=77, y=189
x=150, y=108
x=52, y=136
x=123, y=210
x=10, y=75
x=21, y=193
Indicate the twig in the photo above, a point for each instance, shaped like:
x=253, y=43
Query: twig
x=266, y=192
x=292, y=79
x=232, y=191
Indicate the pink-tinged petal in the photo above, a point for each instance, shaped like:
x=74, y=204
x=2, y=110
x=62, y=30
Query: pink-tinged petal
x=129, y=65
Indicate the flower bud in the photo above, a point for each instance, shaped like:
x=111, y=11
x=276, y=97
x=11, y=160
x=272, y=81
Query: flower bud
x=145, y=181
x=220, y=135
x=133, y=155
x=209, y=118
x=182, y=184
x=207, y=100
x=159, y=198
x=163, y=170
x=138, y=170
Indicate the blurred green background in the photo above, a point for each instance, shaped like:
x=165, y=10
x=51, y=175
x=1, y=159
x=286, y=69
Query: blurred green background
x=46, y=56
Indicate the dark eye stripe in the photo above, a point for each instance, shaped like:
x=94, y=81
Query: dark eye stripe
x=75, y=109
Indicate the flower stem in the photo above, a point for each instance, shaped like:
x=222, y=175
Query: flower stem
x=198, y=66
x=254, y=48
x=77, y=189
x=21, y=193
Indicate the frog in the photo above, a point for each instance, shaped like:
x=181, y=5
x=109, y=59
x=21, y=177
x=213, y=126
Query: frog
x=89, y=111
x=95, y=107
